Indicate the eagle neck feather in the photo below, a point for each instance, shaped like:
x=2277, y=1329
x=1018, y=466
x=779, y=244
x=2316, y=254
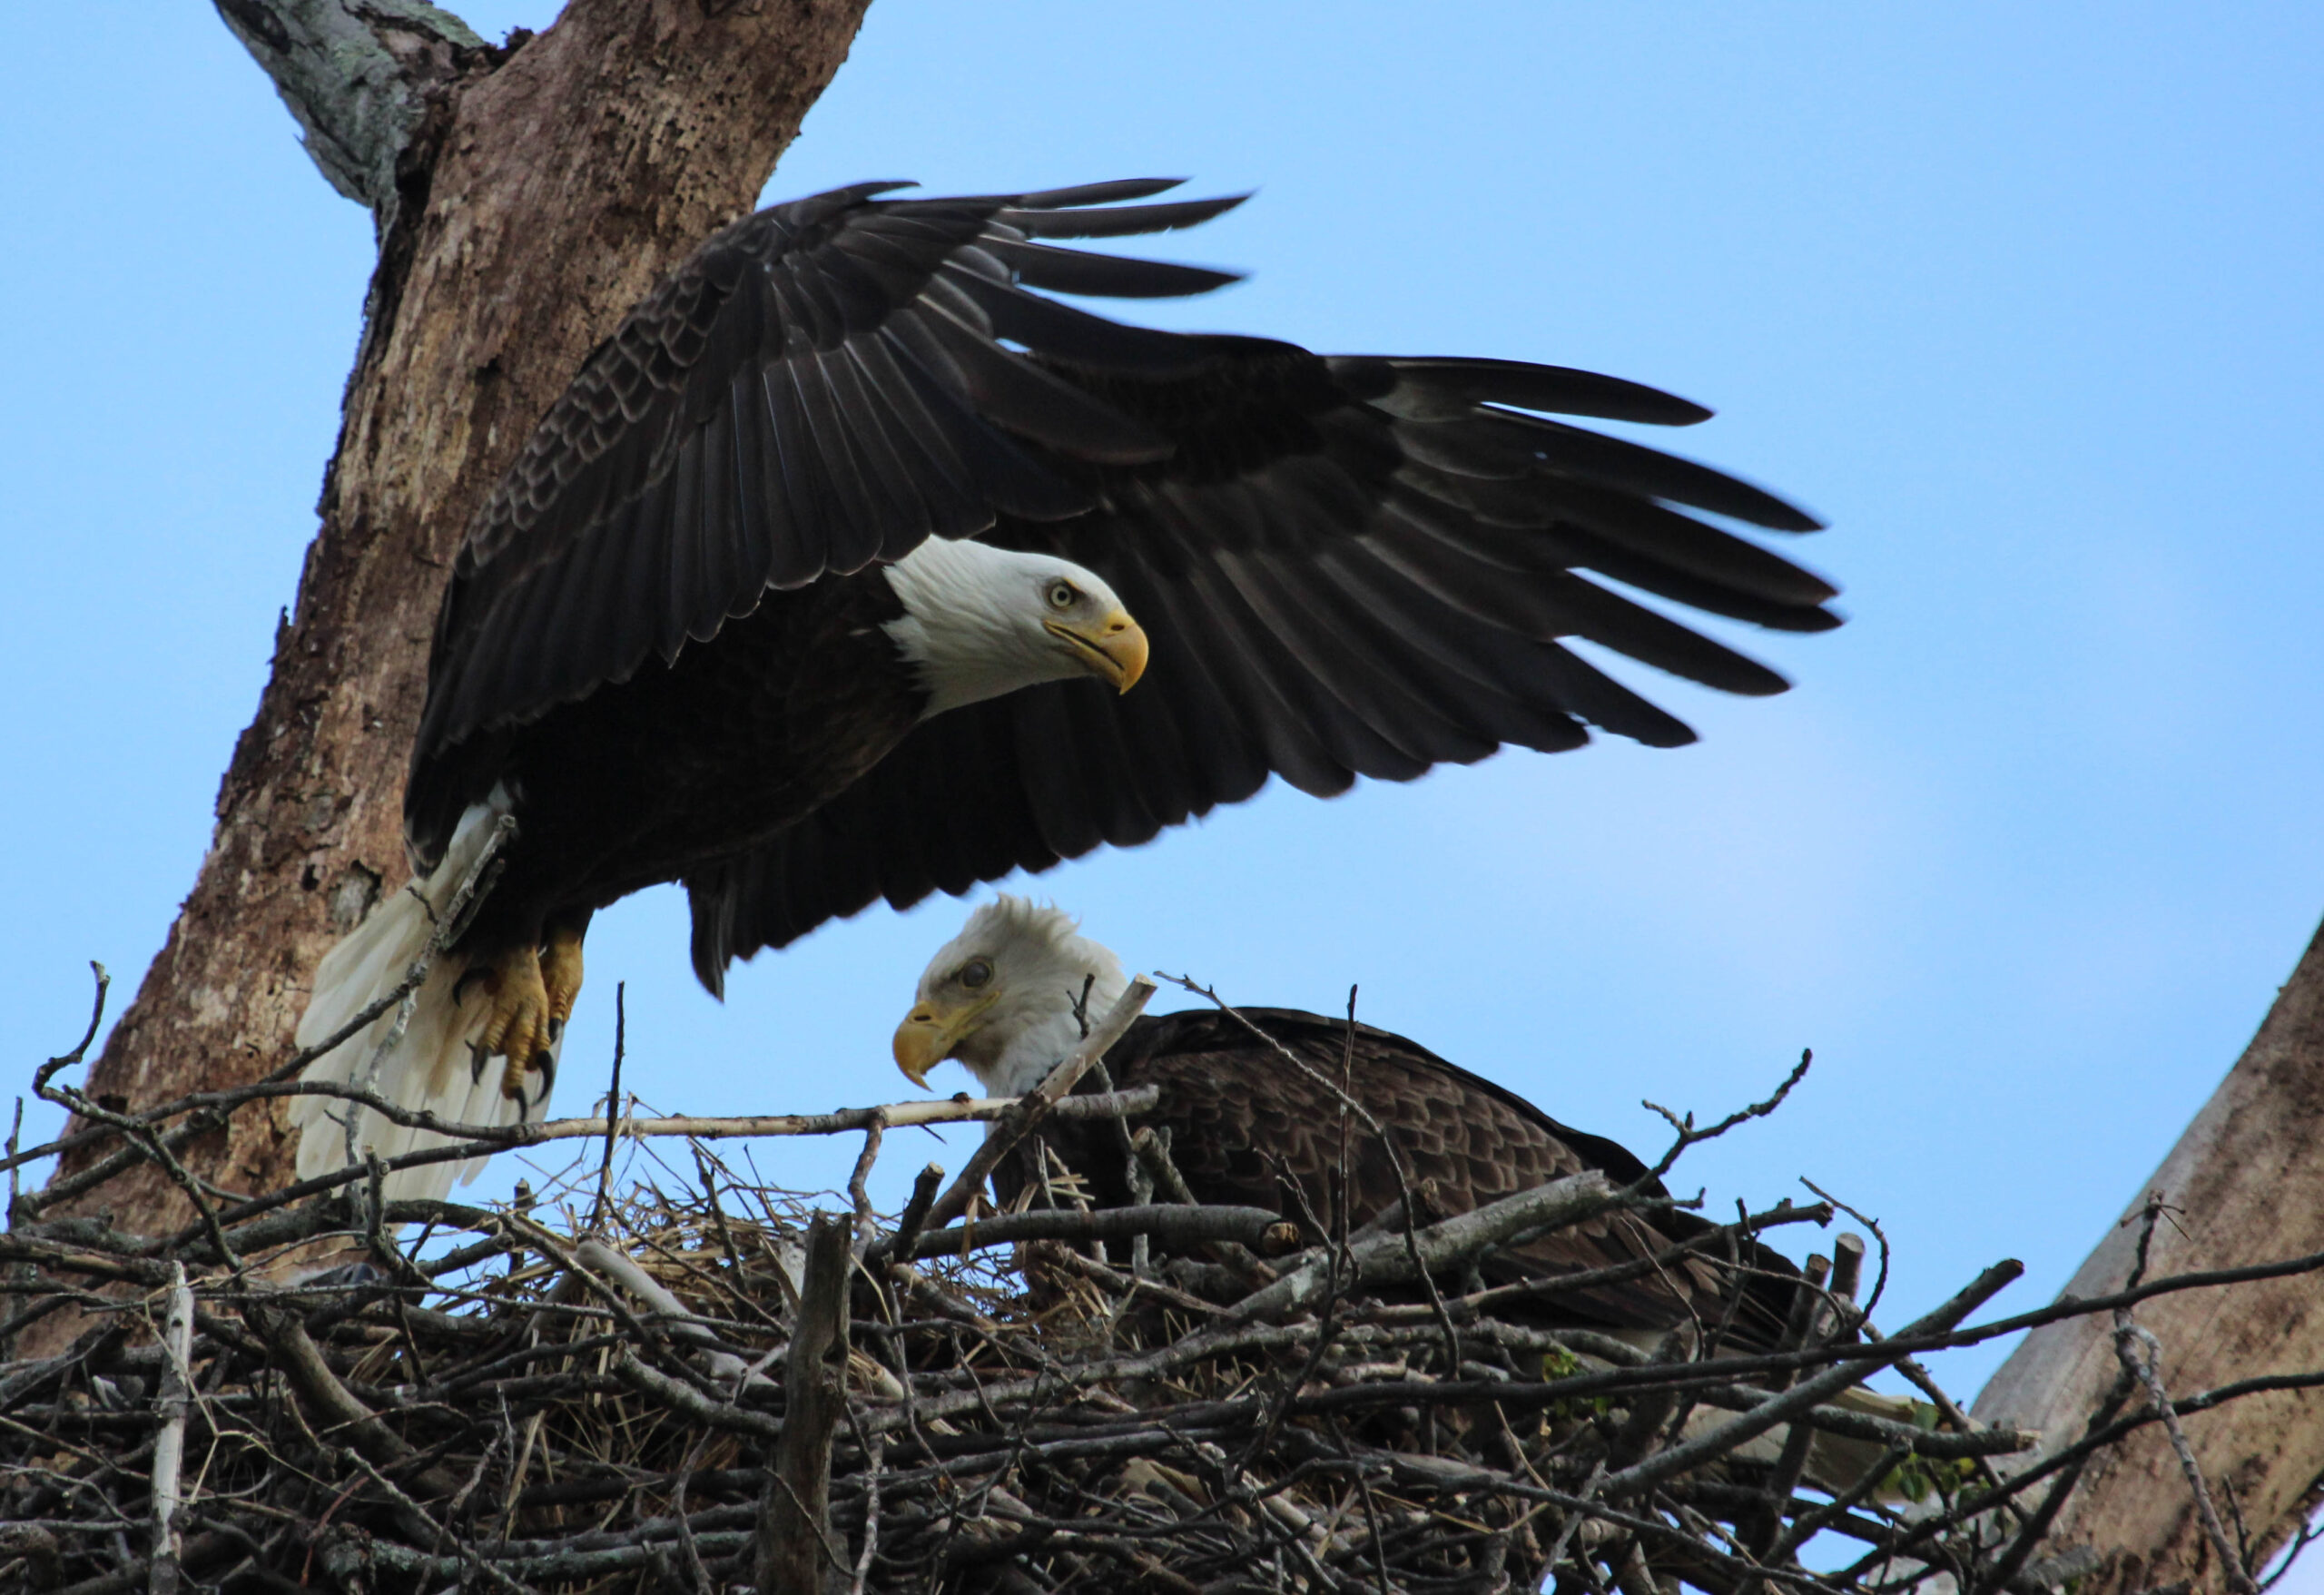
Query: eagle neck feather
x=1042, y=956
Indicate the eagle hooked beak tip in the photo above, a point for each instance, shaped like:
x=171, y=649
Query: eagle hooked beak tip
x=1115, y=650
x=921, y=1045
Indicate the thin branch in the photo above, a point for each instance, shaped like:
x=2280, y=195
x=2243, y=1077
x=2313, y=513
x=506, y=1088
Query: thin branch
x=1688, y=1136
x=613, y=1105
x=2142, y=1358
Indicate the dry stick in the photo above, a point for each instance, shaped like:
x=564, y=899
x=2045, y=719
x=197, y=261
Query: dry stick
x=1214, y=1345
x=1749, y=1227
x=1688, y=1136
x=169, y=1443
x=1398, y=1257
x=1152, y=1148
x=15, y=1132
x=334, y=1405
x=478, y=1138
x=488, y=1139
x=1978, y=1334
x=1122, y=1284
x=2129, y=1340
x=613, y=1105
x=874, y=1452
x=468, y=1141
x=17, y=1273
x=694, y=1567
x=1175, y=1225
x=1043, y=1099
x=794, y=1544
x=2035, y=1528
x=1952, y=1413
x=1809, y=1392
x=1919, y=1377
x=142, y=1141
x=683, y=1325
x=1139, y=1178
x=867, y=1221
x=2100, y=1433
x=1810, y=1323
x=64, y=1061
x=915, y=1214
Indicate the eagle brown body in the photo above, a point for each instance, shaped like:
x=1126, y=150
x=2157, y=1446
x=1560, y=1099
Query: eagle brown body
x=1249, y=1128
x=1260, y=1119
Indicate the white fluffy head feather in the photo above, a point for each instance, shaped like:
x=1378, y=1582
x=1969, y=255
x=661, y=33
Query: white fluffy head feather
x=1009, y=982
x=980, y=622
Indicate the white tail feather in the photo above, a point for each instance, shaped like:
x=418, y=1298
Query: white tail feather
x=430, y=1067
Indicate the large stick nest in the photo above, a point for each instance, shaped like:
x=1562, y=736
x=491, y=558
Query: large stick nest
x=703, y=1384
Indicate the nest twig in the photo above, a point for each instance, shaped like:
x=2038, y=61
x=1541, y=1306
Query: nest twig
x=697, y=1383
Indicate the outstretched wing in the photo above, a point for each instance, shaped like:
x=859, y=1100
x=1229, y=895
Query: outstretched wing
x=1346, y=566
x=821, y=385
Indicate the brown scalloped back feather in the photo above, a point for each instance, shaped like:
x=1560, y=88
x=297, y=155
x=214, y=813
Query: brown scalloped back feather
x=1249, y=1128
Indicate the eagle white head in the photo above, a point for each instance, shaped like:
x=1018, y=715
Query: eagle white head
x=999, y=997
x=980, y=622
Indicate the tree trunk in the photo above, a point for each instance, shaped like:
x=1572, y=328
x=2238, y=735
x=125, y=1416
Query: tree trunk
x=524, y=198
x=2243, y=1187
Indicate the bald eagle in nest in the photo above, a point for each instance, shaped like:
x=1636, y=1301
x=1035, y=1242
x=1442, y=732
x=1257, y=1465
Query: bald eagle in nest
x=830, y=576
x=1249, y=1126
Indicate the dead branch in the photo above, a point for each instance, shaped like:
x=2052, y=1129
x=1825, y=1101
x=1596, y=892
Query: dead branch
x=516, y=1400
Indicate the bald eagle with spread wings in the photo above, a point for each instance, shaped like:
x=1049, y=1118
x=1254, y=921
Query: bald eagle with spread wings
x=830, y=576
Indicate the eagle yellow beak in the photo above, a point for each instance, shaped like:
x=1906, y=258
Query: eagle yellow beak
x=1115, y=649
x=929, y=1035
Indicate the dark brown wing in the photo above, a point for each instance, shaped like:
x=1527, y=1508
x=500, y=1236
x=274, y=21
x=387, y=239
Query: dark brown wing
x=1249, y=1128
x=821, y=385
x=1347, y=565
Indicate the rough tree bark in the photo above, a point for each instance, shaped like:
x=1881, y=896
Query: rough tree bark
x=525, y=196
x=2243, y=1187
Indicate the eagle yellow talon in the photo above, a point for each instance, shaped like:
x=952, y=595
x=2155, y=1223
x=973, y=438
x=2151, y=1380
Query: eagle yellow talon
x=517, y=1024
x=561, y=975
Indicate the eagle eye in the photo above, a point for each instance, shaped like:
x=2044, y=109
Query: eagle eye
x=1062, y=594
x=975, y=974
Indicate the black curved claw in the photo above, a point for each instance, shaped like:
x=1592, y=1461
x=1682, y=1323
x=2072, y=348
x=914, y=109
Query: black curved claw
x=545, y=1062
x=478, y=1059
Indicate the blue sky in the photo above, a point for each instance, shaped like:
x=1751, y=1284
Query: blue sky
x=2023, y=300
